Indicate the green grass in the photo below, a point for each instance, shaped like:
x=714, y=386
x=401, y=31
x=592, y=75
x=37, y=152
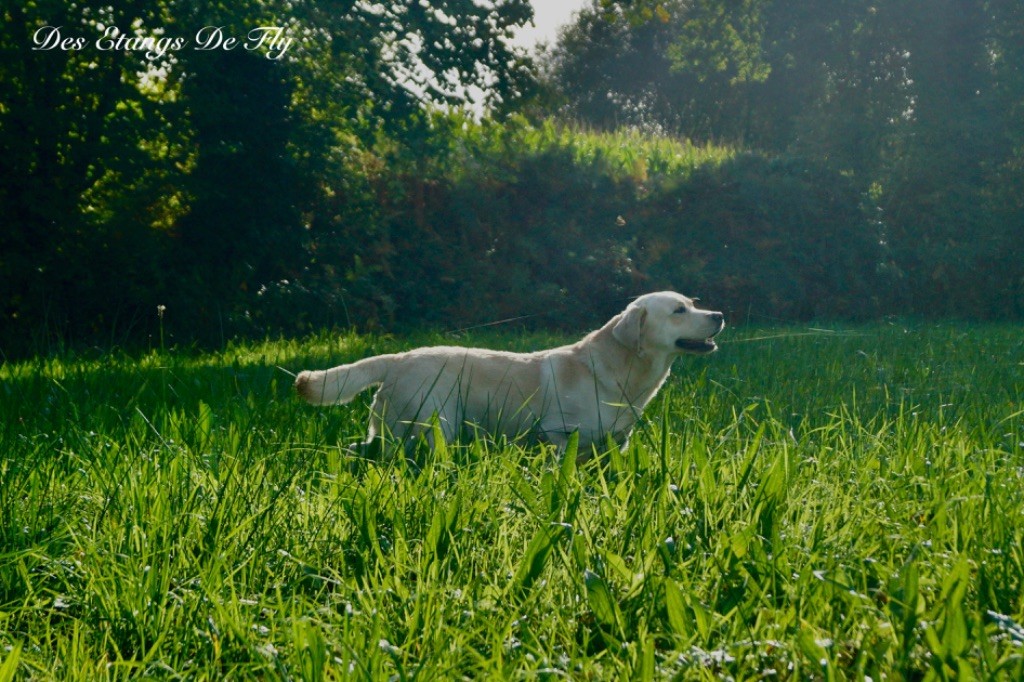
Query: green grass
x=801, y=505
x=617, y=154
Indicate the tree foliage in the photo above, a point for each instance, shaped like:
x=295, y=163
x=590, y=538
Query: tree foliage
x=919, y=103
x=132, y=179
x=858, y=157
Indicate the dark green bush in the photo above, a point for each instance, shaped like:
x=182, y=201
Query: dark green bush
x=766, y=239
x=559, y=229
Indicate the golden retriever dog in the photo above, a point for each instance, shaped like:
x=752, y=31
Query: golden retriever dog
x=597, y=386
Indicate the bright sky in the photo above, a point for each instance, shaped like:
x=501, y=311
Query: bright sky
x=548, y=17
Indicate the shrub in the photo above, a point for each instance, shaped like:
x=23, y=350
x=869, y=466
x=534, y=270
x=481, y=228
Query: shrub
x=556, y=227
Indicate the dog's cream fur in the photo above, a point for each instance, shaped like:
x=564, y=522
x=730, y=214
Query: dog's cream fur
x=597, y=386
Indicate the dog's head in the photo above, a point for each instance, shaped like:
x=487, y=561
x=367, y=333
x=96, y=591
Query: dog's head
x=667, y=322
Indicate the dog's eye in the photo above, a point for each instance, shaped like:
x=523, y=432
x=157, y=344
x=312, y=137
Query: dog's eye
x=680, y=310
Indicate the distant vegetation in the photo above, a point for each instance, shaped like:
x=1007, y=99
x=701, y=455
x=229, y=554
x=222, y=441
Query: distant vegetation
x=782, y=162
x=561, y=226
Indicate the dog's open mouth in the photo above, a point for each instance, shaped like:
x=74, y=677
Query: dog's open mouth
x=697, y=346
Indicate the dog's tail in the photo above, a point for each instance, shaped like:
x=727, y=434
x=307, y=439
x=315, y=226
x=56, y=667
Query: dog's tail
x=343, y=383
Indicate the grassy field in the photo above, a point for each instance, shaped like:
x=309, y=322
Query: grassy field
x=804, y=504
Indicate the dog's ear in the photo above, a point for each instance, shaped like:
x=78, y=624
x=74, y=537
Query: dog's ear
x=629, y=330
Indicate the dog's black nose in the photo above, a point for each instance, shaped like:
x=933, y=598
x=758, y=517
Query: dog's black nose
x=718, y=317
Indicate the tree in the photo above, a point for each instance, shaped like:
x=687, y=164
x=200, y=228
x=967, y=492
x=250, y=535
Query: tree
x=79, y=189
x=130, y=180
x=918, y=103
x=947, y=226
x=611, y=67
